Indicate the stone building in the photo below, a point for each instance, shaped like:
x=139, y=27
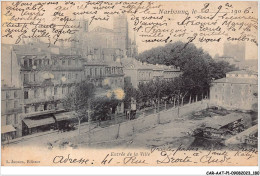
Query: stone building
x=237, y=51
x=137, y=72
x=238, y=91
x=99, y=38
x=234, y=54
x=114, y=75
x=44, y=78
x=94, y=70
x=171, y=72
x=11, y=111
x=46, y=74
x=103, y=67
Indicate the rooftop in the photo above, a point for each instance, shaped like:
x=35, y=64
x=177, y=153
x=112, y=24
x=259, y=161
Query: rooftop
x=135, y=64
x=220, y=121
x=101, y=29
x=244, y=72
x=236, y=80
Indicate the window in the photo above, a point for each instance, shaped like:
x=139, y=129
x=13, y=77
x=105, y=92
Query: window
x=7, y=95
x=63, y=90
x=15, y=119
x=69, y=76
x=8, y=104
x=90, y=71
x=30, y=62
x=40, y=62
x=76, y=61
x=45, y=107
x=26, y=109
x=26, y=78
x=76, y=76
x=69, y=62
x=35, y=93
x=36, y=108
x=8, y=120
x=44, y=91
x=95, y=71
x=26, y=95
x=63, y=62
x=25, y=63
x=55, y=90
x=34, y=77
x=15, y=94
x=15, y=104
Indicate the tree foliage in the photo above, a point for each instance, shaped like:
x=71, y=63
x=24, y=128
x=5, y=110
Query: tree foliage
x=130, y=91
x=103, y=107
x=197, y=66
x=78, y=100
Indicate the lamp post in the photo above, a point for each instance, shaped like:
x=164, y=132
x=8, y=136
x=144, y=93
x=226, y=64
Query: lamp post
x=89, y=119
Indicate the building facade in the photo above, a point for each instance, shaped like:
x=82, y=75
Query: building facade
x=237, y=91
x=137, y=72
x=234, y=54
x=45, y=77
x=11, y=112
x=98, y=38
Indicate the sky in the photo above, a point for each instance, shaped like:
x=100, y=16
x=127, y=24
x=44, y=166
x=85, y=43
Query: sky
x=211, y=48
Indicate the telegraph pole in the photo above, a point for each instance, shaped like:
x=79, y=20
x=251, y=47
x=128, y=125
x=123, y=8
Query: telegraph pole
x=159, y=92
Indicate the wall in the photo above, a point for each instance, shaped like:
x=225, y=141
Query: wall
x=233, y=96
x=132, y=73
x=128, y=128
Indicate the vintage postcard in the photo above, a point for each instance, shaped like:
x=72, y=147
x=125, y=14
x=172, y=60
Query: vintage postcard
x=129, y=83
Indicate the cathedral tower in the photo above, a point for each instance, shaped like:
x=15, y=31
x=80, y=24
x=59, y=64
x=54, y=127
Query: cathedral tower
x=120, y=28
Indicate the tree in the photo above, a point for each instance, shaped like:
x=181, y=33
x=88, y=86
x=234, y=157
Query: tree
x=79, y=101
x=220, y=68
x=103, y=107
x=177, y=54
x=196, y=65
x=197, y=73
x=130, y=91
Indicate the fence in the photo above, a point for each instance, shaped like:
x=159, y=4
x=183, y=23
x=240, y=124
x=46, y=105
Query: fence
x=128, y=128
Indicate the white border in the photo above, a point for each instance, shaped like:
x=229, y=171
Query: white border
x=127, y=170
